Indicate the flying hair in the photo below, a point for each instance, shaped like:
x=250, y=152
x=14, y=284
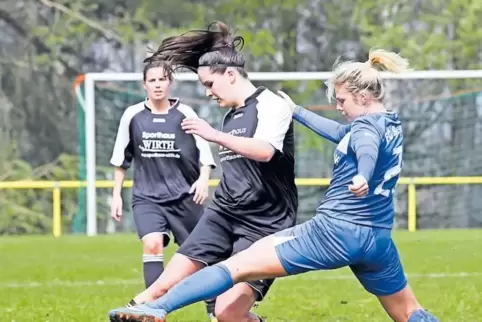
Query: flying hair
x=215, y=47
x=365, y=76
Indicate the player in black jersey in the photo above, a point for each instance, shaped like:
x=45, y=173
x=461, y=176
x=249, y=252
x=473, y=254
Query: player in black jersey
x=257, y=195
x=171, y=169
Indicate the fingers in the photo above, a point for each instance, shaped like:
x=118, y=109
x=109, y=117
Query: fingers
x=113, y=212
x=197, y=196
x=204, y=196
x=193, y=188
x=116, y=213
x=200, y=194
x=190, y=122
x=359, y=189
x=190, y=126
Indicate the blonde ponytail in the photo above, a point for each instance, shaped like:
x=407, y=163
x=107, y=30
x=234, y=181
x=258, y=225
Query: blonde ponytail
x=383, y=60
x=365, y=77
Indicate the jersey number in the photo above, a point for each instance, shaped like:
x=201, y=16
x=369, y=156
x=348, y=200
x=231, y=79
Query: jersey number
x=392, y=172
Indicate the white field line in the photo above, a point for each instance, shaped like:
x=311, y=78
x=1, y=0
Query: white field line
x=311, y=276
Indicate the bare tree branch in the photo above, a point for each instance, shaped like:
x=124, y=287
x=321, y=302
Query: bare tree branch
x=89, y=22
x=41, y=47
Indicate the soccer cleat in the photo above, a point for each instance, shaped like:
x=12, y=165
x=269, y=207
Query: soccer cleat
x=139, y=313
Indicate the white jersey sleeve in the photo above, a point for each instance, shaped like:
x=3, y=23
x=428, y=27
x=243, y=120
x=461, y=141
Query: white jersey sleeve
x=274, y=119
x=122, y=155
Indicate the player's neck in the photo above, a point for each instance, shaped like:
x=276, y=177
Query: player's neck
x=376, y=107
x=244, y=90
x=159, y=106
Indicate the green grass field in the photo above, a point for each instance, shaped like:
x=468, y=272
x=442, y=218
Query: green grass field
x=76, y=278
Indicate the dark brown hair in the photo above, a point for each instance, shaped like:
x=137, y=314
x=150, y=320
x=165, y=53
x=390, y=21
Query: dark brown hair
x=216, y=48
x=156, y=64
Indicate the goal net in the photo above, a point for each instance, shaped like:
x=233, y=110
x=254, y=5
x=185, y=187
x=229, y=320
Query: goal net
x=442, y=119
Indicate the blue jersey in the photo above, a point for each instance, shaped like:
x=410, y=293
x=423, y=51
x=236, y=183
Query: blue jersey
x=372, y=146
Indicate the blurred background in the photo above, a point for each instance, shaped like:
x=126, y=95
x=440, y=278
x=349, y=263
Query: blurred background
x=46, y=46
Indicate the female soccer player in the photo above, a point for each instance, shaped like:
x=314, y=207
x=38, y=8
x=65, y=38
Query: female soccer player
x=352, y=226
x=257, y=195
x=171, y=169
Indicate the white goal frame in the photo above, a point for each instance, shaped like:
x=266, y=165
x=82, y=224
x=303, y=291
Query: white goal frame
x=91, y=78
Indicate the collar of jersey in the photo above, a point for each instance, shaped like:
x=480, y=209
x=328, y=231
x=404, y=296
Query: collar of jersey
x=253, y=96
x=173, y=101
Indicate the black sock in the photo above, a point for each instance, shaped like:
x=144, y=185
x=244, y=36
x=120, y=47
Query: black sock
x=153, y=268
x=210, y=305
x=131, y=303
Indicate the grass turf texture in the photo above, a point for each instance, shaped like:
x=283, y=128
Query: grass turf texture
x=77, y=278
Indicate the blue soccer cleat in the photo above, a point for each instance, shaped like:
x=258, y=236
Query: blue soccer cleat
x=138, y=313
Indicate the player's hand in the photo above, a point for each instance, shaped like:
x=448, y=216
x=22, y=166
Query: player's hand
x=116, y=208
x=288, y=100
x=360, y=186
x=200, y=188
x=199, y=127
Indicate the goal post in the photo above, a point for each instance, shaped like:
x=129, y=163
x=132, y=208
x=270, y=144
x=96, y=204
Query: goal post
x=92, y=79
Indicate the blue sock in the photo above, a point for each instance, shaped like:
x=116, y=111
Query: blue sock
x=202, y=285
x=422, y=316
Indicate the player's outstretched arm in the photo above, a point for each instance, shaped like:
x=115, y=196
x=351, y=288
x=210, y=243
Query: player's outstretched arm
x=329, y=129
x=326, y=128
x=365, y=142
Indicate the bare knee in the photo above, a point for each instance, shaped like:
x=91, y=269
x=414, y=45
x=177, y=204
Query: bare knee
x=226, y=312
x=233, y=313
x=153, y=244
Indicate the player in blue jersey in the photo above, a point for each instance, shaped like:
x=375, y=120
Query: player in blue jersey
x=352, y=226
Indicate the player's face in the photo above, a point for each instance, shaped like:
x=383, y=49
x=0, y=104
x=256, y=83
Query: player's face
x=348, y=103
x=157, y=84
x=218, y=86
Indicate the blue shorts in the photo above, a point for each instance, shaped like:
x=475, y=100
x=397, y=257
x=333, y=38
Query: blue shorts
x=324, y=243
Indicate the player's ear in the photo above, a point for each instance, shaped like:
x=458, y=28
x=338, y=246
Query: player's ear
x=363, y=99
x=231, y=75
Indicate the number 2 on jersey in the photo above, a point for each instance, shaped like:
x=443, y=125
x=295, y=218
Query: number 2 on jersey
x=392, y=172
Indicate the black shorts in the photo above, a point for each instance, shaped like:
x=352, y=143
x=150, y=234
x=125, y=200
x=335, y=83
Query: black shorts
x=179, y=217
x=216, y=238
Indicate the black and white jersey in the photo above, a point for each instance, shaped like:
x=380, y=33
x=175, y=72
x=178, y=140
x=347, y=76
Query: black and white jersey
x=261, y=194
x=167, y=161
